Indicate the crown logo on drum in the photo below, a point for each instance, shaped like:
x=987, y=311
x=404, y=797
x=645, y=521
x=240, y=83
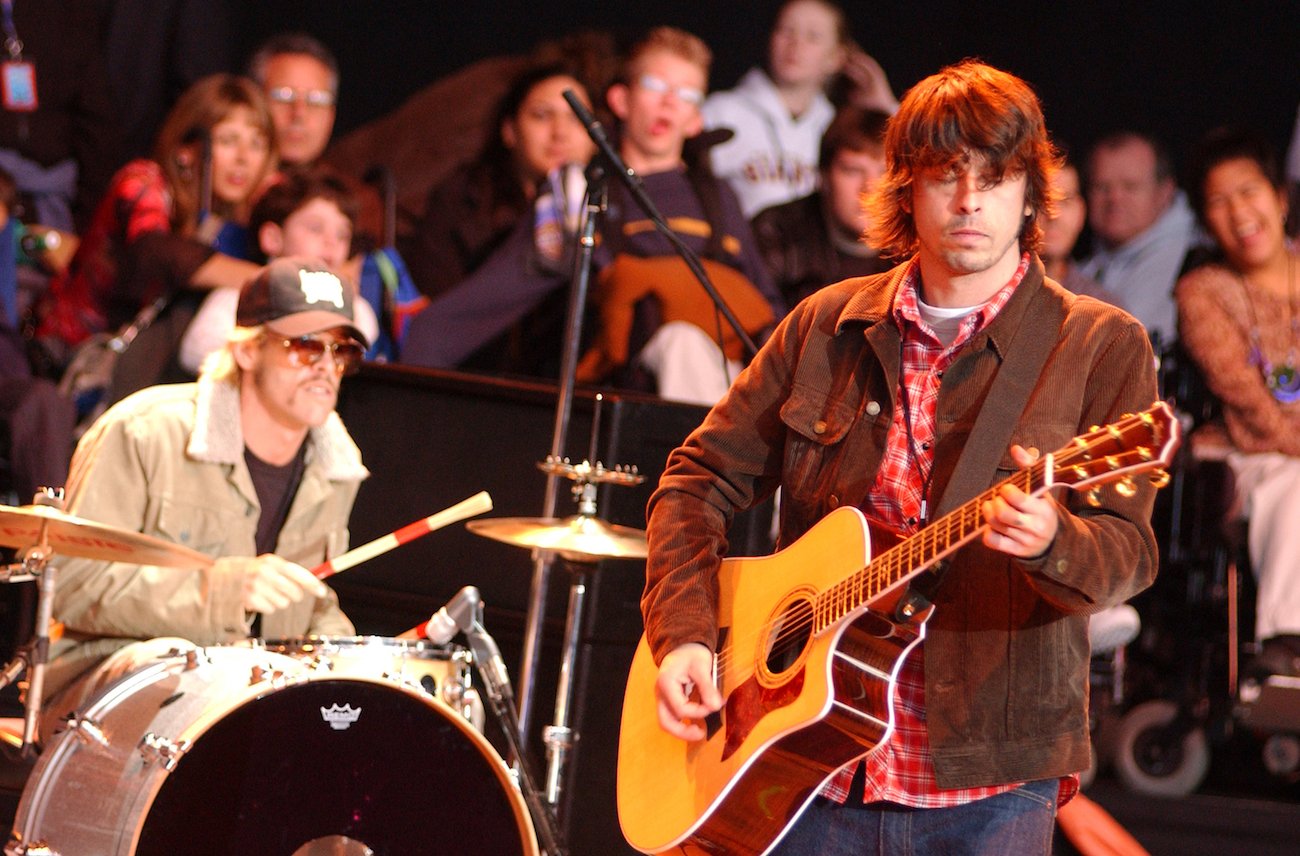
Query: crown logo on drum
x=340, y=718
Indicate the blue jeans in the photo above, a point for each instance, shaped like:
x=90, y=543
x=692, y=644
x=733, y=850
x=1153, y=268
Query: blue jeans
x=1010, y=824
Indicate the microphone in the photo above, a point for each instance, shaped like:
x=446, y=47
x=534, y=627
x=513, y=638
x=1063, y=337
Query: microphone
x=594, y=128
x=457, y=615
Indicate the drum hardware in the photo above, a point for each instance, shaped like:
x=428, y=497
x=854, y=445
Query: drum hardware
x=39, y=531
x=157, y=749
x=87, y=730
x=579, y=540
x=464, y=613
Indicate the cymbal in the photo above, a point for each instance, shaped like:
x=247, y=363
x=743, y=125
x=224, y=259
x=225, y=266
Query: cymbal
x=579, y=536
x=69, y=535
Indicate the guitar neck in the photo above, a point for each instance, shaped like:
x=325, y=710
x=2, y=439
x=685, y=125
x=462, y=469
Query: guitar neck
x=910, y=557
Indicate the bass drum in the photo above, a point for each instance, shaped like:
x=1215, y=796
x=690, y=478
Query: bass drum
x=442, y=671
x=237, y=751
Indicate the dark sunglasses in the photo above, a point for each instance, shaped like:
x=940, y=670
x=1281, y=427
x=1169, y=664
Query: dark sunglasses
x=307, y=351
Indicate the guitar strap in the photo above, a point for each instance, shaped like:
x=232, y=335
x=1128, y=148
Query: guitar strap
x=991, y=433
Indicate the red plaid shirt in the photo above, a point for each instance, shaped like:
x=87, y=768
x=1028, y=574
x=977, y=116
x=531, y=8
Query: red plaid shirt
x=901, y=770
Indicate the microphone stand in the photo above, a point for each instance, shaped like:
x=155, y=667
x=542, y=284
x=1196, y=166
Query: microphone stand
x=633, y=183
x=596, y=202
x=487, y=657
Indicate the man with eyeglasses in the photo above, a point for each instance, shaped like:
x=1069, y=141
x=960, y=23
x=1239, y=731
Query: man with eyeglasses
x=300, y=77
x=250, y=465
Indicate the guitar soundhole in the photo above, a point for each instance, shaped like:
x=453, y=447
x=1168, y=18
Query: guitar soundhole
x=790, y=634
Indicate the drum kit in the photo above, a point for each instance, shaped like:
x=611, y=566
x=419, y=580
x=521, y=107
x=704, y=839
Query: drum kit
x=202, y=744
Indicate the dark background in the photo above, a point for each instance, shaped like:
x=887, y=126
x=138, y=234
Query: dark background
x=1177, y=69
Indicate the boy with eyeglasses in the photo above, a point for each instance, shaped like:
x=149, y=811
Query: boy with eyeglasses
x=657, y=102
x=250, y=465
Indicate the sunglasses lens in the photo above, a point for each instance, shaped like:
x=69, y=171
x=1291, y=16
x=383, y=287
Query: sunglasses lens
x=348, y=356
x=307, y=351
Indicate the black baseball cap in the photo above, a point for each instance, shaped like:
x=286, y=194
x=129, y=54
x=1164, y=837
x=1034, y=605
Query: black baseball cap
x=297, y=297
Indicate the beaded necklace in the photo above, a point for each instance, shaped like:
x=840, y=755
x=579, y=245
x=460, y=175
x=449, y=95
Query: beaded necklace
x=1284, y=380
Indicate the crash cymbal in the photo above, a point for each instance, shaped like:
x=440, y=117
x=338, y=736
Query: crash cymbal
x=579, y=536
x=69, y=535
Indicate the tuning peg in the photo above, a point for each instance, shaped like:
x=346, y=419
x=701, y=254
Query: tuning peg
x=1160, y=478
x=1093, y=498
x=1125, y=487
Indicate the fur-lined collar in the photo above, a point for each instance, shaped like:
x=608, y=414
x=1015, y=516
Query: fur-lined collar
x=218, y=438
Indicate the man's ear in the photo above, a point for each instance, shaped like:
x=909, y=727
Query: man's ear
x=247, y=353
x=509, y=134
x=617, y=98
x=270, y=238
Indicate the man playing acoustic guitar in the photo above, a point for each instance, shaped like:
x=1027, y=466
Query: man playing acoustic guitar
x=904, y=395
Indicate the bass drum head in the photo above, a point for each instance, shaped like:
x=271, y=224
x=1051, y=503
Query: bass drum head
x=338, y=760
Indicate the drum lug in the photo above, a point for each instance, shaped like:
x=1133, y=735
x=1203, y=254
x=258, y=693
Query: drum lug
x=87, y=731
x=453, y=693
x=163, y=750
x=262, y=672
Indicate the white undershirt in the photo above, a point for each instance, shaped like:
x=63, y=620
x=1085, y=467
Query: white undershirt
x=945, y=320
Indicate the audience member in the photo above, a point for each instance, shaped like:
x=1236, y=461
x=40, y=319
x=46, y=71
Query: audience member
x=468, y=216
x=779, y=113
x=817, y=239
x=1239, y=318
x=300, y=77
x=35, y=420
x=1061, y=228
x=152, y=234
x=1142, y=228
x=251, y=466
x=493, y=245
x=59, y=136
x=655, y=317
x=657, y=104
x=306, y=214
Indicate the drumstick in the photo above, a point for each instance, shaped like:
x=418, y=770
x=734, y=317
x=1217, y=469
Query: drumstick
x=476, y=504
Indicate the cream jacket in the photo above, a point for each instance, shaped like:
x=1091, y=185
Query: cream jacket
x=169, y=462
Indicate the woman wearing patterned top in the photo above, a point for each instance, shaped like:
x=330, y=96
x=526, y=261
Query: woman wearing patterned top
x=1239, y=318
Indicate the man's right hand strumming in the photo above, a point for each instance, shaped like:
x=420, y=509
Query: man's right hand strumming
x=685, y=691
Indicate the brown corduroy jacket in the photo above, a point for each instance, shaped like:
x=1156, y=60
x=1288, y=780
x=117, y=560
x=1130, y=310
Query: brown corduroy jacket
x=1006, y=650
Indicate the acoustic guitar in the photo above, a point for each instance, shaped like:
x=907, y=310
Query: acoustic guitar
x=810, y=643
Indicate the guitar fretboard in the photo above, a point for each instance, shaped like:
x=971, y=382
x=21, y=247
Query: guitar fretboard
x=1105, y=454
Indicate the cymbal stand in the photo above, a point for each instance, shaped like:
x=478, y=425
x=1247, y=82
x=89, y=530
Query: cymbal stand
x=559, y=737
x=491, y=668
x=34, y=656
x=595, y=204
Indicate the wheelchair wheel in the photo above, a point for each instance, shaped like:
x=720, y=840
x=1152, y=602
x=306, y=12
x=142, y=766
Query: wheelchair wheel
x=1154, y=759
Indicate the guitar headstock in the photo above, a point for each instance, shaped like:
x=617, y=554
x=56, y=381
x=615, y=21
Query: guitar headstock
x=1137, y=443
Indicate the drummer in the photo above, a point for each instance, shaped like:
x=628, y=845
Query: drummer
x=250, y=465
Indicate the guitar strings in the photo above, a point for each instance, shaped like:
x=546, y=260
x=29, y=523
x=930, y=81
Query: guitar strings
x=866, y=583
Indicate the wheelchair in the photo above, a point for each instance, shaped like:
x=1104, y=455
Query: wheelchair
x=1189, y=694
